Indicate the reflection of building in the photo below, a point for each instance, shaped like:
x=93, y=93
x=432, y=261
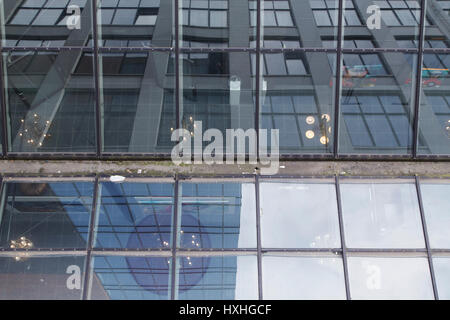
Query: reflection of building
x=120, y=78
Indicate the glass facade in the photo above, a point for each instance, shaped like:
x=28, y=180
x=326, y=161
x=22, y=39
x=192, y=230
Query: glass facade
x=205, y=239
x=116, y=78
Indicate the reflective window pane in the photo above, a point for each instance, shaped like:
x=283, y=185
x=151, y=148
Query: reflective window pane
x=435, y=197
x=217, y=278
x=389, y=278
x=381, y=215
x=135, y=216
x=46, y=215
x=53, y=23
x=442, y=273
x=303, y=278
x=218, y=215
x=42, y=278
x=299, y=100
x=138, y=102
x=377, y=103
x=385, y=22
x=434, y=115
x=141, y=23
x=438, y=16
x=130, y=278
x=51, y=108
x=304, y=215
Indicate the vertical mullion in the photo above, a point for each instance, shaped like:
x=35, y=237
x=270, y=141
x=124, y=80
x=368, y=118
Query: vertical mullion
x=174, y=238
x=343, y=244
x=90, y=244
x=337, y=93
x=417, y=99
x=258, y=75
x=426, y=237
x=98, y=115
x=258, y=236
x=177, y=62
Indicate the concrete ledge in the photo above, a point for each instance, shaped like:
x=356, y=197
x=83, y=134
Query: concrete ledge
x=167, y=168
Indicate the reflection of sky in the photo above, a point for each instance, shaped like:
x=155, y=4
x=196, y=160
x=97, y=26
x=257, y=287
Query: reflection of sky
x=299, y=216
x=442, y=272
x=296, y=278
x=390, y=278
x=436, y=204
x=381, y=216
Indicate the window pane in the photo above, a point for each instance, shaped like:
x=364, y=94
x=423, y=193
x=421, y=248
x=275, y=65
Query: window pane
x=442, y=273
x=46, y=215
x=39, y=278
x=303, y=216
x=135, y=216
x=217, y=278
x=130, y=278
x=48, y=23
x=435, y=198
x=381, y=215
x=389, y=278
x=302, y=278
x=56, y=111
x=218, y=215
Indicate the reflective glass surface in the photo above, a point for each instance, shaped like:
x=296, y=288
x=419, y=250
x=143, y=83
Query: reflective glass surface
x=304, y=215
x=434, y=120
x=438, y=16
x=138, y=102
x=46, y=215
x=42, y=278
x=219, y=215
x=377, y=103
x=135, y=216
x=383, y=23
x=299, y=99
x=389, y=278
x=130, y=278
x=50, y=108
x=303, y=278
x=217, y=278
x=435, y=198
x=442, y=273
x=46, y=23
x=137, y=23
x=381, y=215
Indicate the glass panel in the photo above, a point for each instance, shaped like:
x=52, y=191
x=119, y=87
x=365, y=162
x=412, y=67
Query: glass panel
x=218, y=215
x=51, y=108
x=438, y=15
x=389, y=278
x=442, y=273
x=300, y=22
x=46, y=215
x=135, y=216
x=42, y=278
x=299, y=104
x=386, y=22
x=435, y=198
x=217, y=94
x=144, y=23
x=207, y=24
x=302, y=278
x=217, y=278
x=304, y=215
x=138, y=102
x=381, y=215
x=434, y=121
x=47, y=23
x=130, y=278
x=377, y=103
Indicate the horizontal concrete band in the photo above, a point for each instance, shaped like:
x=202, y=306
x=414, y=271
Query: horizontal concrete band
x=438, y=169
